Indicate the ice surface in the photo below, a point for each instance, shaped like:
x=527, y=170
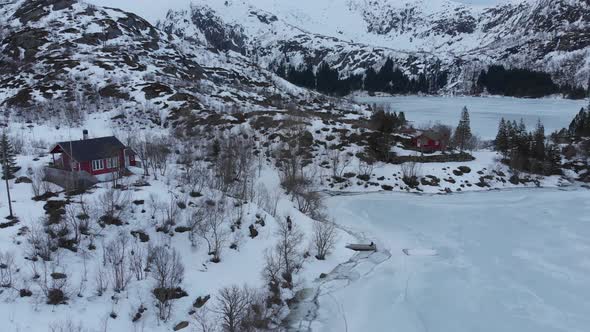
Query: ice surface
x=513, y=260
x=485, y=112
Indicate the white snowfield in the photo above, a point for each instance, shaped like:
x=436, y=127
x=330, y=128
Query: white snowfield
x=506, y=261
x=485, y=112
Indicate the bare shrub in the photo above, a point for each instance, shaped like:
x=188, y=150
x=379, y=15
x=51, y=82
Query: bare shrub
x=101, y=280
x=54, y=284
x=366, y=167
x=339, y=161
x=324, y=238
x=66, y=326
x=410, y=173
x=168, y=271
x=41, y=244
x=138, y=261
x=310, y=203
x=8, y=269
x=116, y=256
x=37, y=184
x=113, y=204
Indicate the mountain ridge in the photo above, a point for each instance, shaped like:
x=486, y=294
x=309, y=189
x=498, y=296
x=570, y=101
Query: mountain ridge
x=463, y=39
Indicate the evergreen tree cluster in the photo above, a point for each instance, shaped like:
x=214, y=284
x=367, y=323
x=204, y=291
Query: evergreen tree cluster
x=389, y=79
x=519, y=82
x=527, y=151
x=384, y=124
x=387, y=122
x=580, y=125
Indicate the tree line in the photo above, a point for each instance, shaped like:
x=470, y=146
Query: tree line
x=527, y=151
x=389, y=79
x=519, y=82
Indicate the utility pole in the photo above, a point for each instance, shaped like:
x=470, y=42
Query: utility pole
x=6, y=175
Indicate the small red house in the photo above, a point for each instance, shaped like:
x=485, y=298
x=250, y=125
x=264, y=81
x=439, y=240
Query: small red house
x=429, y=141
x=96, y=156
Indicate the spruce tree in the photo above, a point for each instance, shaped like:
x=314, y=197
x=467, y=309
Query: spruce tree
x=463, y=131
x=538, y=148
x=553, y=160
x=502, y=138
x=8, y=161
x=8, y=157
x=402, y=118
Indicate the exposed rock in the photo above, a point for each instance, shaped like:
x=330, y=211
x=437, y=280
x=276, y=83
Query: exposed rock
x=180, y=326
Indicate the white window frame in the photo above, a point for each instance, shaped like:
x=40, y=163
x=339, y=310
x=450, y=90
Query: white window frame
x=112, y=163
x=98, y=165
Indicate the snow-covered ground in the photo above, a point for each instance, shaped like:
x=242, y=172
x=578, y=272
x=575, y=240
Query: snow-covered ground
x=498, y=261
x=485, y=112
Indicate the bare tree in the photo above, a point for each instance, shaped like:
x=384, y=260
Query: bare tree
x=339, y=161
x=445, y=132
x=324, y=238
x=233, y=305
x=290, y=238
x=138, y=261
x=113, y=203
x=116, y=256
x=37, y=175
x=366, y=167
x=155, y=153
x=214, y=230
x=101, y=280
x=168, y=271
x=196, y=177
x=310, y=203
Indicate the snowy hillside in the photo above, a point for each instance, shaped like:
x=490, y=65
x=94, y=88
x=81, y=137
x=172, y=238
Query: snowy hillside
x=353, y=35
x=71, y=55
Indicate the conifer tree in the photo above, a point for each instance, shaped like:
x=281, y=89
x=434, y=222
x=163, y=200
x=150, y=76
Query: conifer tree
x=502, y=138
x=553, y=160
x=463, y=131
x=539, y=142
x=8, y=157
x=8, y=161
x=402, y=118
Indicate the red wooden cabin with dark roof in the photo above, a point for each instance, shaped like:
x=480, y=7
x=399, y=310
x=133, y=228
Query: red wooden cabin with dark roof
x=429, y=141
x=95, y=156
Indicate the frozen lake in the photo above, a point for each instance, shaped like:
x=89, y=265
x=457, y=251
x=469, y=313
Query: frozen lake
x=485, y=112
x=495, y=261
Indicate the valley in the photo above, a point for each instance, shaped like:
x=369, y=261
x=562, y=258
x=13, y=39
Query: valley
x=268, y=165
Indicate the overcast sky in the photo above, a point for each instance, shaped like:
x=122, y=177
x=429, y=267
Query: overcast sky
x=153, y=10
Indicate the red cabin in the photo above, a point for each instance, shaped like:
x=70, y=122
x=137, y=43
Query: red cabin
x=428, y=141
x=96, y=156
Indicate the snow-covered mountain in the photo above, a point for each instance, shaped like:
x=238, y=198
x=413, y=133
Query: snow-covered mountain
x=65, y=54
x=552, y=36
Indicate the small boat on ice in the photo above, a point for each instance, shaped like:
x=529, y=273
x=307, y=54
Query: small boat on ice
x=362, y=247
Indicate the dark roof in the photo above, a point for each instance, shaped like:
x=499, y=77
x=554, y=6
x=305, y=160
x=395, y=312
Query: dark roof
x=93, y=148
x=434, y=135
